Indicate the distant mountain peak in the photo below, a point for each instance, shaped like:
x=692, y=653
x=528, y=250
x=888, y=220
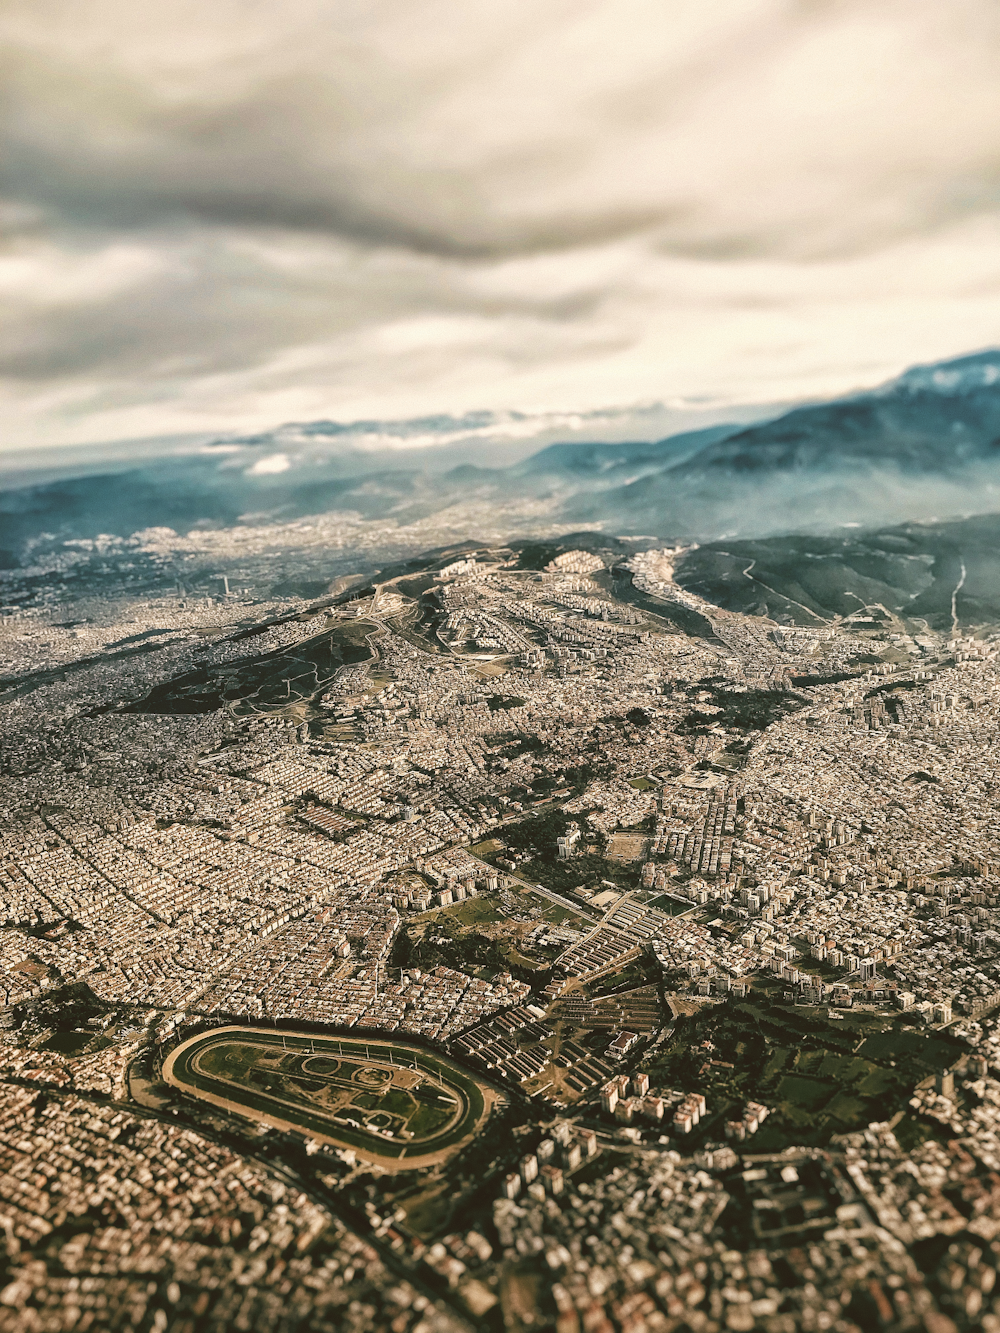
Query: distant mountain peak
x=934, y=419
x=963, y=374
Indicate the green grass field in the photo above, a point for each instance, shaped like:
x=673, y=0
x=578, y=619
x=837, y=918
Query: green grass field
x=474, y=910
x=808, y=1093
x=69, y=1043
x=818, y=1076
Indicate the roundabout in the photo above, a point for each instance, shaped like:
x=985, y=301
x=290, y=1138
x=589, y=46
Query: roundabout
x=389, y=1101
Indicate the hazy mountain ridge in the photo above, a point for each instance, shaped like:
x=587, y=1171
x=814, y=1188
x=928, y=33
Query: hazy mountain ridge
x=930, y=419
x=923, y=446
x=219, y=487
x=920, y=447
x=606, y=461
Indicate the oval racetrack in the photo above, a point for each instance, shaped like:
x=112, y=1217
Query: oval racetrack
x=388, y=1100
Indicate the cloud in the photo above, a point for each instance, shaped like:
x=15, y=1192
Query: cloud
x=218, y=217
x=273, y=463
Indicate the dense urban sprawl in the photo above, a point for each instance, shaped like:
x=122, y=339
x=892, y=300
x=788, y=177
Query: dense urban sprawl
x=511, y=811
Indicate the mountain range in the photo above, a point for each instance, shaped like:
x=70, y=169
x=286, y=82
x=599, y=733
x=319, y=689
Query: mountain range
x=924, y=446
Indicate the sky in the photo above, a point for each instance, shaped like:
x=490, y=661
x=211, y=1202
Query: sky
x=218, y=218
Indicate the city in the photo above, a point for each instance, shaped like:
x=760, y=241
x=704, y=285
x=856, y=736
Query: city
x=593, y=958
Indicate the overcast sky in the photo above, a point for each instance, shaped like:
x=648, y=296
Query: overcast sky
x=224, y=216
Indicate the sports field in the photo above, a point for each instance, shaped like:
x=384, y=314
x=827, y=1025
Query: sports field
x=387, y=1100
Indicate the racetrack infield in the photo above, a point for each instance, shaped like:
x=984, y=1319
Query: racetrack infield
x=393, y=1103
